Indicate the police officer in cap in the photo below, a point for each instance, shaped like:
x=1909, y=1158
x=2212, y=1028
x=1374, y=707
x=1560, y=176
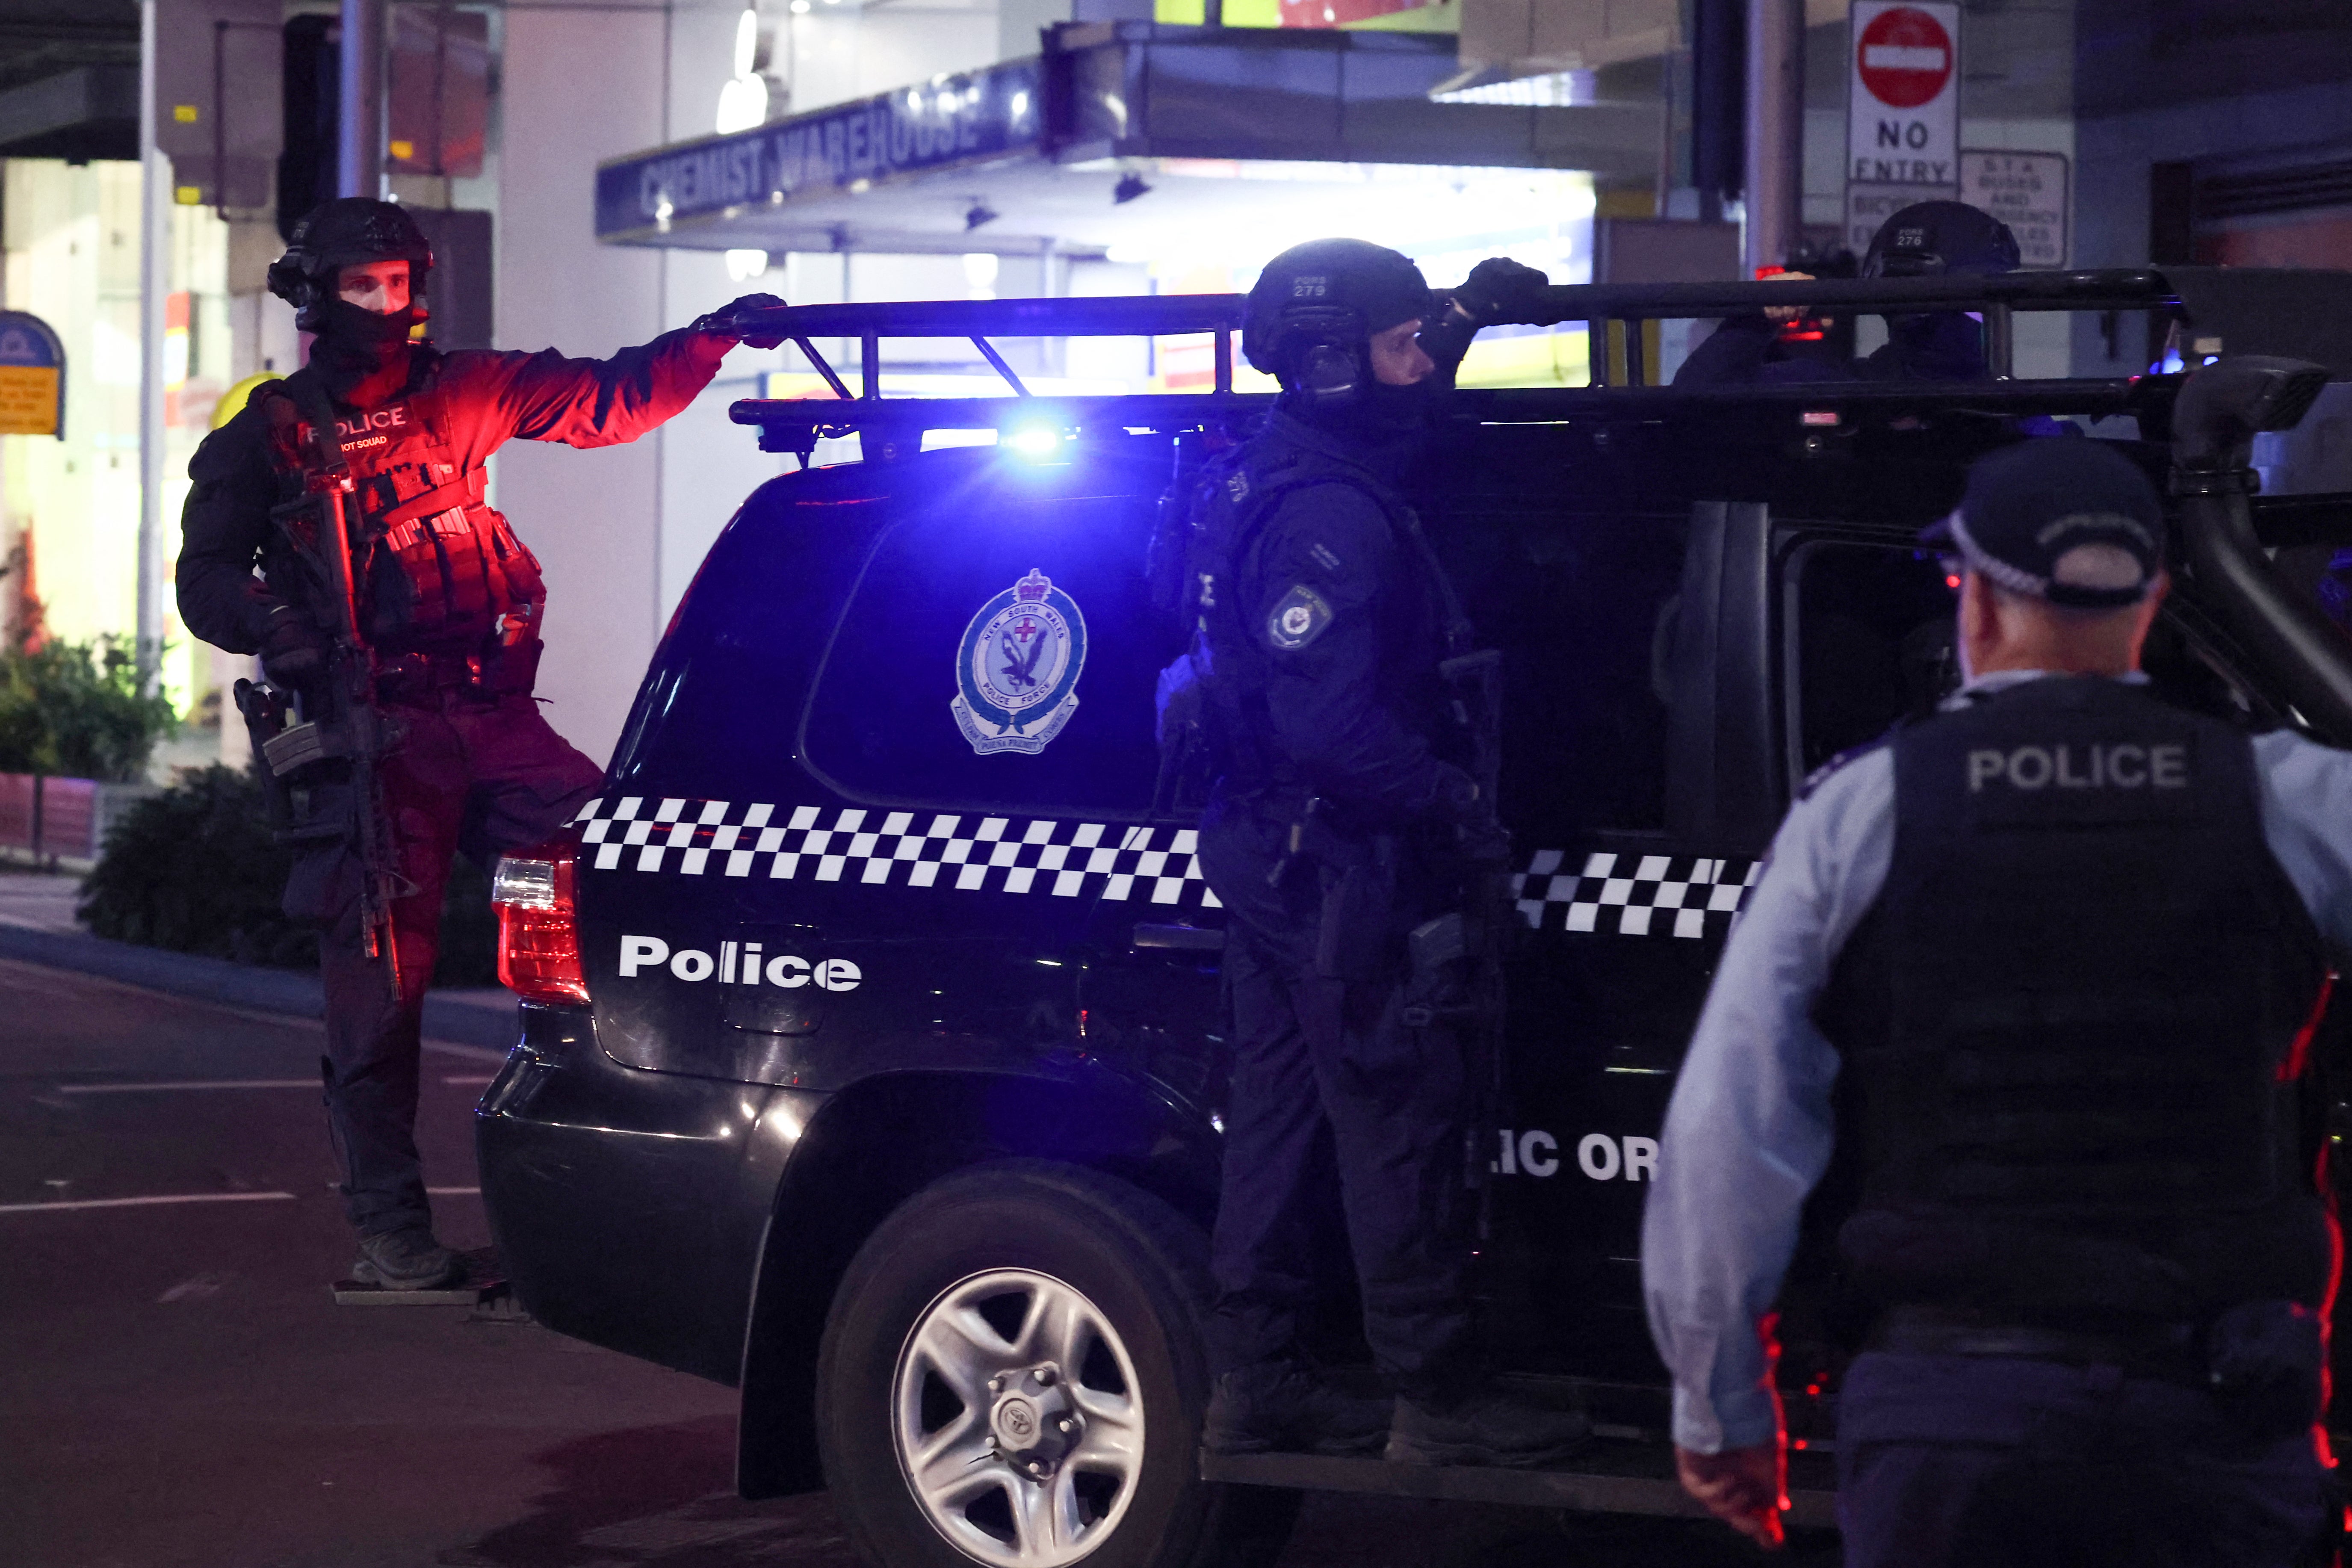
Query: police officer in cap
x=451, y=600
x=1341, y=818
x=2041, y=973
x=1926, y=239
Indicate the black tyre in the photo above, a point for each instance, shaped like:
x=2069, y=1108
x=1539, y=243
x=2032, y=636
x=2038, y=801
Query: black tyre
x=1012, y=1374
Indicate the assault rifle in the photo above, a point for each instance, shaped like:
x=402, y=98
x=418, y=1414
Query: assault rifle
x=349, y=728
x=1480, y=933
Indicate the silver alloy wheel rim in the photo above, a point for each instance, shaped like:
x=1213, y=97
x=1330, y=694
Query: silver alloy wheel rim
x=956, y=1467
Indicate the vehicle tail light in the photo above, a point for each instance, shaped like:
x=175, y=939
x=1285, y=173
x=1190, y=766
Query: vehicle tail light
x=538, y=929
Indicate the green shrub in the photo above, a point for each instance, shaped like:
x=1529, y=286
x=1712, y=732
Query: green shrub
x=196, y=870
x=73, y=710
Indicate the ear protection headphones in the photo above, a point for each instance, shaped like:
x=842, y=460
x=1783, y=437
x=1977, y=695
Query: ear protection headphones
x=293, y=277
x=1322, y=346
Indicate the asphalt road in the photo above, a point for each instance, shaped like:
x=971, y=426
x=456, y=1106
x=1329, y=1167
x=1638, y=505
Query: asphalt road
x=177, y=1390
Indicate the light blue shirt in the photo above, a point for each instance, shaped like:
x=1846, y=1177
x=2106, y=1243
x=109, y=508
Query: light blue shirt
x=1750, y=1128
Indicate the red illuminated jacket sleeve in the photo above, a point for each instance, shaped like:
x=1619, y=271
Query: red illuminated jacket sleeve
x=583, y=402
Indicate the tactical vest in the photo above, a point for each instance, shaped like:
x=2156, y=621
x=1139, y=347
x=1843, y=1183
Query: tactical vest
x=1228, y=506
x=440, y=572
x=2073, y=1022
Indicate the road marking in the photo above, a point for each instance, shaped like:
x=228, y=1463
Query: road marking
x=189, y=1083
x=452, y=1192
x=144, y=1203
x=471, y=1052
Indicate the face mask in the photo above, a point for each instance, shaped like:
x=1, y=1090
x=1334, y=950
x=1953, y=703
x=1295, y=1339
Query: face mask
x=1402, y=407
x=363, y=357
x=345, y=323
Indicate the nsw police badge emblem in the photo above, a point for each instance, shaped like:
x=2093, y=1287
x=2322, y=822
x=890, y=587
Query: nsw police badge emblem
x=1018, y=667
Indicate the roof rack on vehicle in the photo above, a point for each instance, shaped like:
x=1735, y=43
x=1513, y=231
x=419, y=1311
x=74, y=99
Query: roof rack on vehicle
x=795, y=425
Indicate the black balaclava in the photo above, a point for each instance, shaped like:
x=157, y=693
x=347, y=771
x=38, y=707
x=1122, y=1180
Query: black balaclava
x=363, y=357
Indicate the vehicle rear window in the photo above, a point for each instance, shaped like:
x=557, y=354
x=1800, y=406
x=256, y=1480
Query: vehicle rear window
x=1576, y=602
x=999, y=650
x=1872, y=641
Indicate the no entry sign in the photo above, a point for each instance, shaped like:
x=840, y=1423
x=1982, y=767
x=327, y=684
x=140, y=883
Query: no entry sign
x=1904, y=115
x=1905, y=58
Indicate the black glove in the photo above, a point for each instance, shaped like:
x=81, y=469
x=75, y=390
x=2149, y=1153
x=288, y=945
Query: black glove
x=1478, y=836
x=1499, y=289
x=1484, y=842
x=293, y=649
x=723, y=323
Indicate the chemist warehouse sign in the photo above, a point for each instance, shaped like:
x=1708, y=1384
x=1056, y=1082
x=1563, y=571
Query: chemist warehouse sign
x=945, y=121
x=1902, y=117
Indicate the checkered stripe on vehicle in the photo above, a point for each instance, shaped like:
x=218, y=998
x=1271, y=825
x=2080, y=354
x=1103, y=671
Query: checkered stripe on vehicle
x=907, y=848
x=1633, y=895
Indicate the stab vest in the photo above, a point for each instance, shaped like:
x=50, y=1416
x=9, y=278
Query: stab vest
x=439, y=570
x=2073, y=1023
x=1236, y=497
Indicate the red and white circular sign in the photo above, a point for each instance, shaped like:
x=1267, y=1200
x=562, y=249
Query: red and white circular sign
x=1905, y=58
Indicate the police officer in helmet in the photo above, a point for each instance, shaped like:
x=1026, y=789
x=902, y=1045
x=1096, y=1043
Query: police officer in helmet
x=451, y=600
x=2041, y=972
x=1926, y=239
x=1341, y=818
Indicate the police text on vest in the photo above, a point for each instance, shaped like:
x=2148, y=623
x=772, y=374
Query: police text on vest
x=2123, y=764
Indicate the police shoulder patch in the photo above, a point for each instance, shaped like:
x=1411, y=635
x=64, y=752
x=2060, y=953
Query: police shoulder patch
x=1837, y=764
x=1298, y=618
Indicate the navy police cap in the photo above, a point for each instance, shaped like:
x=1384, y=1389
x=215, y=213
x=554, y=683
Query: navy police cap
x=2072, y=521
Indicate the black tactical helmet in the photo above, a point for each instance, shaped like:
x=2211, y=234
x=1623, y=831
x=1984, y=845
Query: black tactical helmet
x=1936, y=240
x=344, y=232
x=1315, y=307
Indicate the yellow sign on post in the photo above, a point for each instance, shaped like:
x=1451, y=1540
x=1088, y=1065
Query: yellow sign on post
x=32, y=377
x=28, y=400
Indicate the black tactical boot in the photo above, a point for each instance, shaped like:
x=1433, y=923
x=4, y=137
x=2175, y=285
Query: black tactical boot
x=1282, y=1406
x=406, y=1260
x=1485, y=1427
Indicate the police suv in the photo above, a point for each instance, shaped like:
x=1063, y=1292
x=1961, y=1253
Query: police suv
x=871, y=1053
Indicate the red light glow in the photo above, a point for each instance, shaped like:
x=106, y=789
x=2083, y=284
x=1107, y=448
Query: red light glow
x=538, y=948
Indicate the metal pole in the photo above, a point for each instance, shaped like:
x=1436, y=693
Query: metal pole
x=359, y=171
x=1776, y=132
x=154, y=280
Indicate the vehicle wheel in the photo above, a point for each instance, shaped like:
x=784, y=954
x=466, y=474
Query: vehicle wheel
x=1012, y=1374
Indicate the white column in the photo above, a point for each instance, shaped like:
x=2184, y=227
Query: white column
x=154, y=258
x=1775, y=183
x=579, y=86
x=358, y=169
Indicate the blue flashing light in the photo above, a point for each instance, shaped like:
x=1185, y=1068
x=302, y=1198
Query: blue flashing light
x=1035, y=442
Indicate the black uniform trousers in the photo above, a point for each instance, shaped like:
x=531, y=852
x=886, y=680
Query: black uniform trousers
x=1310, y=1051
x=477, y=774
x=2005, y=1462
